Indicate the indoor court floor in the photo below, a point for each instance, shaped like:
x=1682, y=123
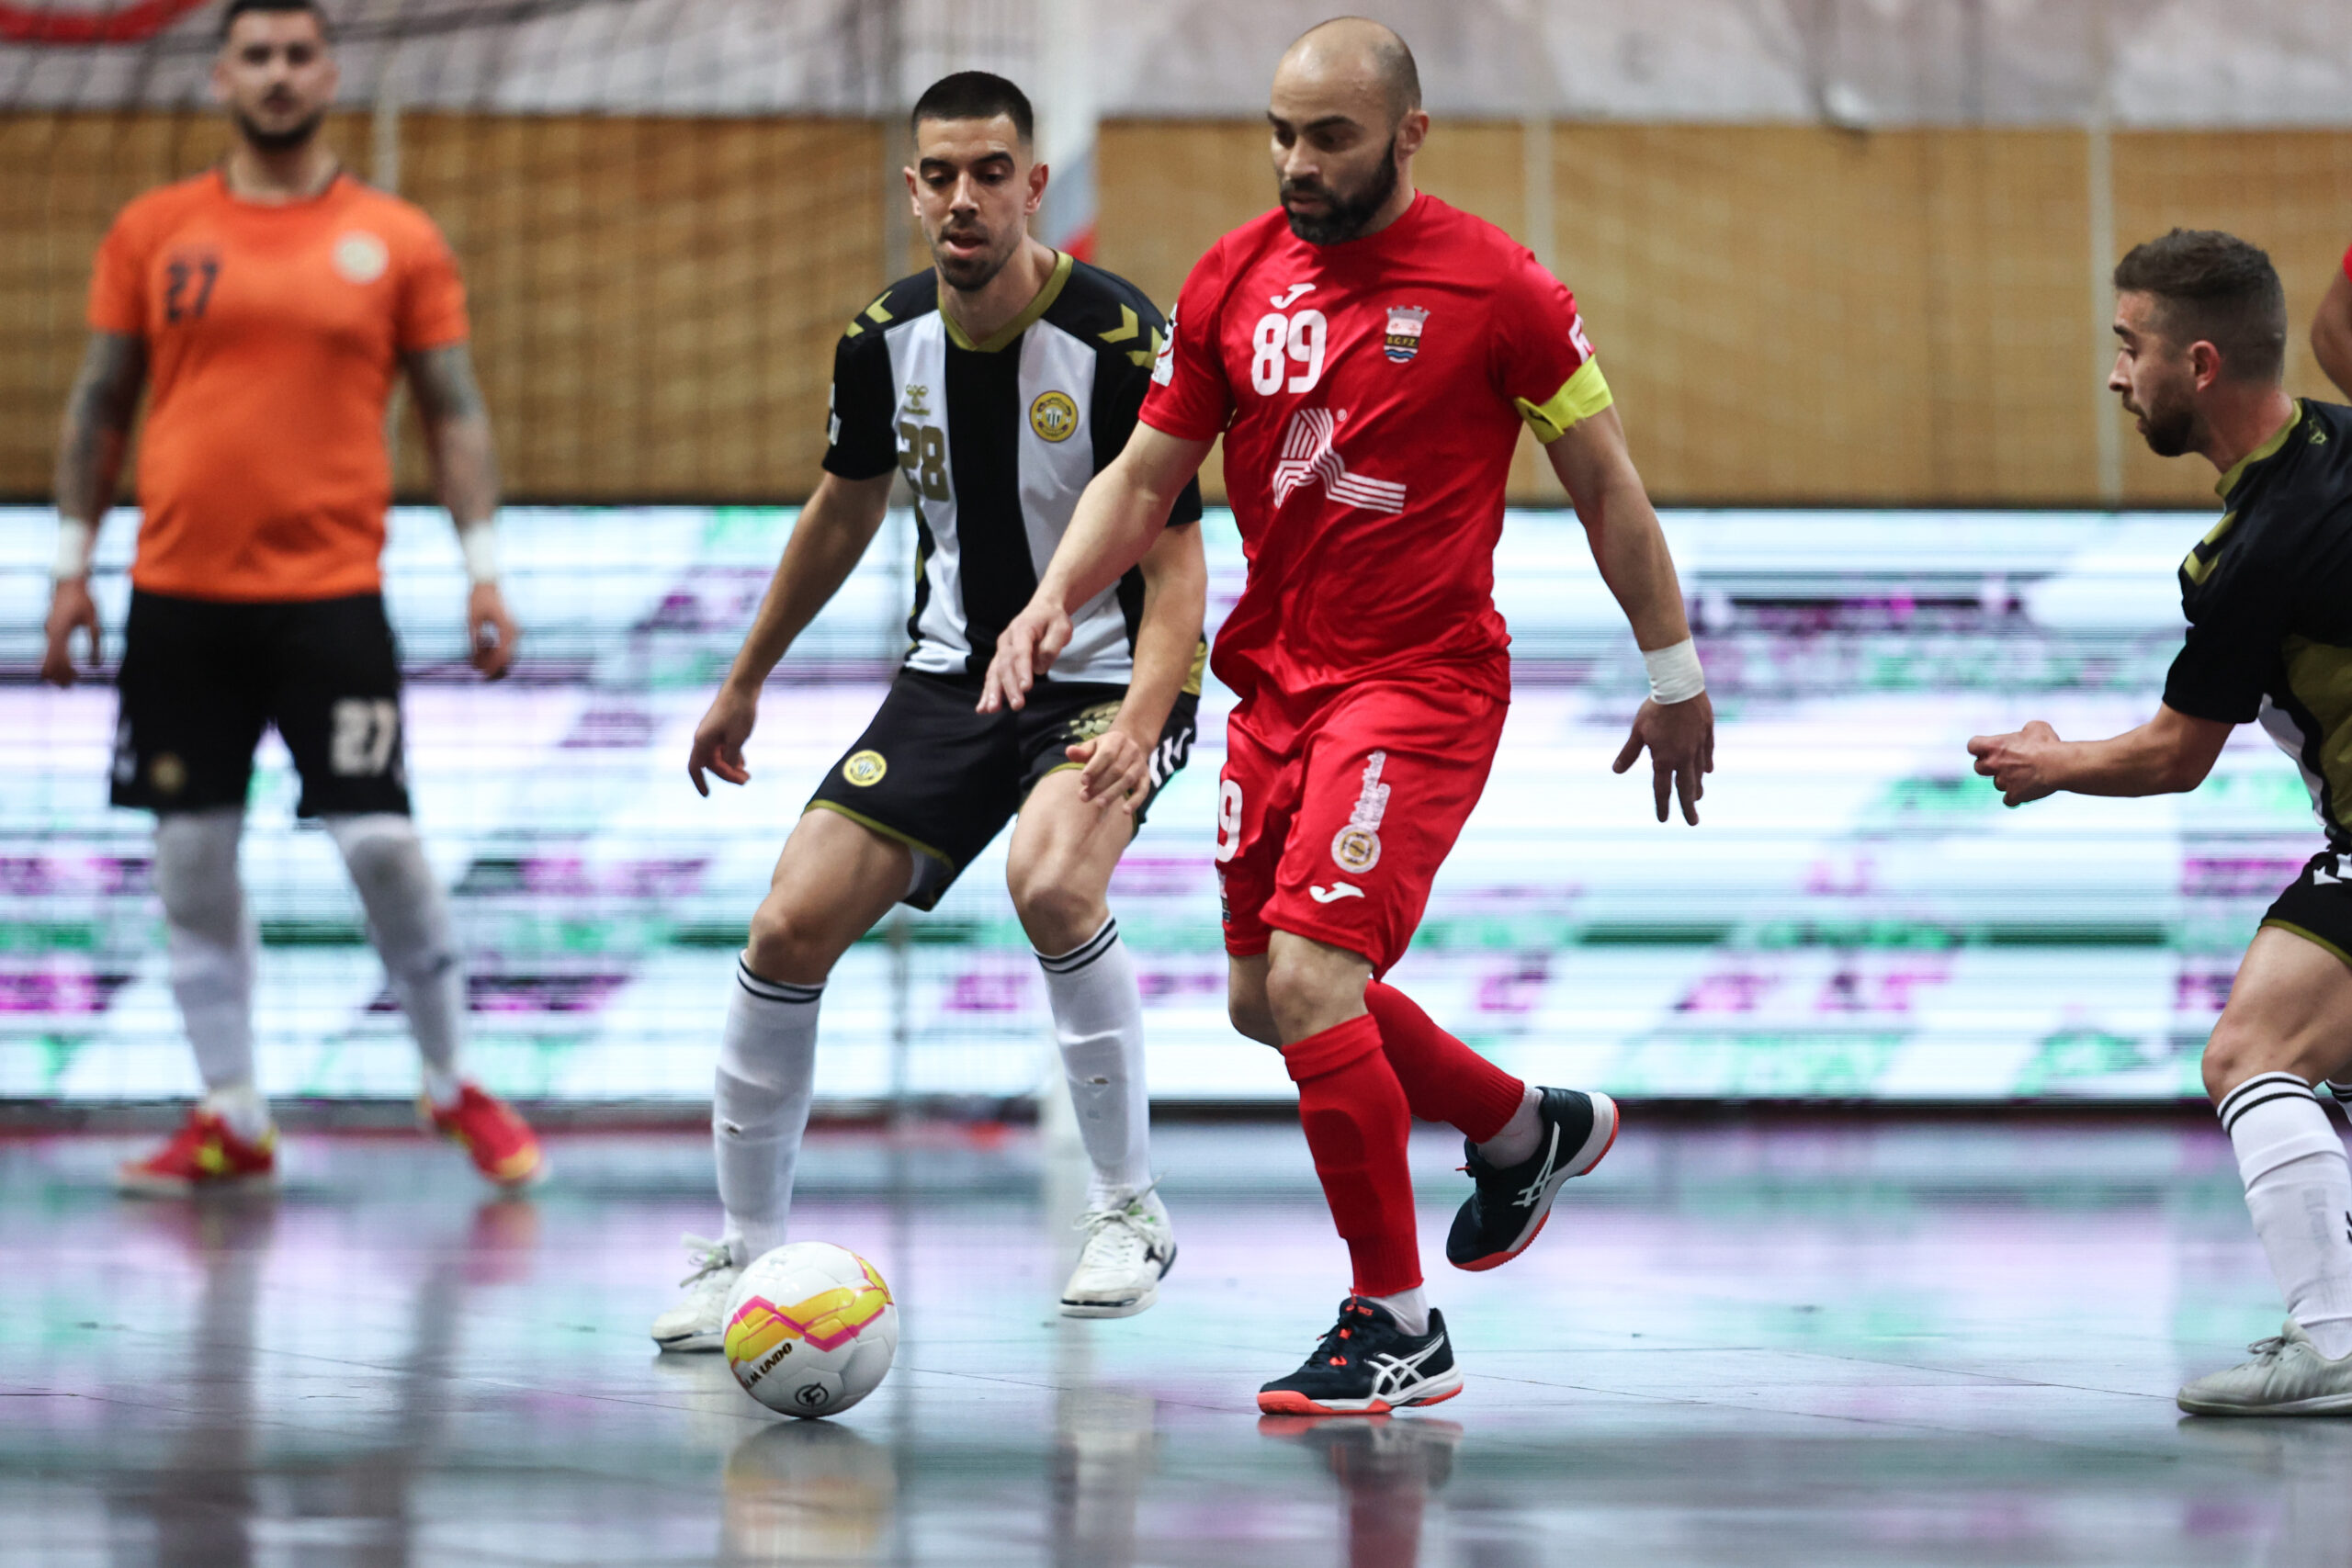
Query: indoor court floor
x=1801, y=1341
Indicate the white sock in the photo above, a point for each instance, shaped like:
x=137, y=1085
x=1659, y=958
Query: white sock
x=1411, y=1309
x=1517, y=1142
x=1098, y=1021
x=213, y=943
x=767, y=1061
x=240, y=1106
x=408, y=920
x=2299, y=1190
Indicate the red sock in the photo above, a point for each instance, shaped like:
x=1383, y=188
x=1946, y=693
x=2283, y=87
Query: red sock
x=1356, y=1122
x=1444, y=1079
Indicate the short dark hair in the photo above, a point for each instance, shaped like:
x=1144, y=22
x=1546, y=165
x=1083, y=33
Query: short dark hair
x=2214, y=287
x=240, y=7
x=976, y=95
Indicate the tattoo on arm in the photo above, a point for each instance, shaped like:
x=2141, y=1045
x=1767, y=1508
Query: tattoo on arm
x=98, y=412
x=457, y=431
x=445, y=385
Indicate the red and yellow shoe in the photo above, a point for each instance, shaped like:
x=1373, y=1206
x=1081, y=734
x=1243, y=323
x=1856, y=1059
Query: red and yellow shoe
x=204, y=1156
x=500, y=1143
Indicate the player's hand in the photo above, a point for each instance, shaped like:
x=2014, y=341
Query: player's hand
x=71, y=609
x=2022, y=766
x=1025, y=650
x=718, y=738
x=491, y=632
x=1117, y=769
x=1680, y=739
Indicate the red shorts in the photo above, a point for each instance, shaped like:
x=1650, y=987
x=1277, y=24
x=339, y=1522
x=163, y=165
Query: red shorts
x=1338, y=834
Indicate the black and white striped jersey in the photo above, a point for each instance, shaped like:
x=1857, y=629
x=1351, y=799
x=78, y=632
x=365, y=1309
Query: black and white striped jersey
x=997, y=439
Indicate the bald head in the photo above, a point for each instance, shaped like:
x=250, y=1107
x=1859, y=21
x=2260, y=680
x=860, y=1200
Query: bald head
x=1354, y=54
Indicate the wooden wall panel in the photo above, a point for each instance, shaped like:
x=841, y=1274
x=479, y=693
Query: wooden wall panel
x=1793, y=313
x=656, y=300
x=2288, y=191
x=1787, y=313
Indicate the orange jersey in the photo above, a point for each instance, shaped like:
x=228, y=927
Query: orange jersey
x=273, y=335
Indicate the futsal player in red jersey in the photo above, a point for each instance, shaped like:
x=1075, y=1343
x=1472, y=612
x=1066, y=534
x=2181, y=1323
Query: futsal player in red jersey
x=1368, y=353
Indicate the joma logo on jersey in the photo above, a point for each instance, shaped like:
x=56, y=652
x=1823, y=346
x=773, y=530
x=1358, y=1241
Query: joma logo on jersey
x=1404, y=339
x=1308, y=458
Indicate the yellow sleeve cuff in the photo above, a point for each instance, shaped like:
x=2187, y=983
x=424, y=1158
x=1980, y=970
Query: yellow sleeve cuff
x=1585, y=394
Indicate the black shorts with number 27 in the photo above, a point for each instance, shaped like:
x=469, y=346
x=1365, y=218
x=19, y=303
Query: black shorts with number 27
x=944, y=778
x=200, y=679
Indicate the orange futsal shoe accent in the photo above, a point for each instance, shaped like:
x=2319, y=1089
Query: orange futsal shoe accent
x=204, y=1156
x=502, y=1144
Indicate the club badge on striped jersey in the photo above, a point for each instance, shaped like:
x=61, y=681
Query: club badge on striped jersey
x=1404, y=339
x=1054, y=416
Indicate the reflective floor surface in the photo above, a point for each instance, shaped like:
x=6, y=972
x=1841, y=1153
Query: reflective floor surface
x=1798, y=1343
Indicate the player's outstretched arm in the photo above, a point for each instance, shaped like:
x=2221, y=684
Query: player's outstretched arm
x=1121, y=513
x=2170, y=754
x=1175, y=604
x=830, y=534
x=1630, y=548
x=465, y=476
x=97, y=429
x=2332, y=332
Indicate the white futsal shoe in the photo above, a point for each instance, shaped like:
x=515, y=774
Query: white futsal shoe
x=699, y=1320
x=2287, y=1377
x=1129, y=1248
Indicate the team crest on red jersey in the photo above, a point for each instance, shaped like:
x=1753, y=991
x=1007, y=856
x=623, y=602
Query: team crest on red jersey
x=1403, y=340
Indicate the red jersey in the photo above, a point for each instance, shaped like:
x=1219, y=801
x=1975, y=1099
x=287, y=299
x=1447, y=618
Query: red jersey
x=1370, y=395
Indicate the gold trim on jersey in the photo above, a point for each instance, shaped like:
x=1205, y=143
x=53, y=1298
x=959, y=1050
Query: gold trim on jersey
x=2207, y=550
x=1583, y=395
x=874, y=312
x=1003, y=336
x=2320, y=676
x=2229, y=481
x=1200, y=663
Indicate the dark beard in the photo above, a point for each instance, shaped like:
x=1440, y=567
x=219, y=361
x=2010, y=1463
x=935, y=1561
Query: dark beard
x=970, y=278
x=293, y=138
x=1348, y=216
x=2170, y=431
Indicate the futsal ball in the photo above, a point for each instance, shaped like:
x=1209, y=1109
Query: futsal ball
x=810, y=1328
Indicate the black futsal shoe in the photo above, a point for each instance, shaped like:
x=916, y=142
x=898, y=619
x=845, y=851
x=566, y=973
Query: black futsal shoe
x=1509, y=1203
x=1367, y=1365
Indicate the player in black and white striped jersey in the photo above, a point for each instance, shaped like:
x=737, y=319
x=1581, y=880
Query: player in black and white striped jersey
x=998, y=382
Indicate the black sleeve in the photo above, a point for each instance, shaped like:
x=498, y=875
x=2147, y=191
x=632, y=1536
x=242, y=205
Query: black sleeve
x=1120, y=383
x=861, y=442
x=2232, y=654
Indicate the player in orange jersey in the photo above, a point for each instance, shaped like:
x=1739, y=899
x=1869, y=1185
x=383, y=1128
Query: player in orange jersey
x=269, y=304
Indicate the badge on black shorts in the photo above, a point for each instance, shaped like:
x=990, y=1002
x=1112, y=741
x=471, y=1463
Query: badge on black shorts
x=865, y=768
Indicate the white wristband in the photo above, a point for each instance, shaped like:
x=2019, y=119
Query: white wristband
x=478, y=543
x=75, y=538
x=1675, y=675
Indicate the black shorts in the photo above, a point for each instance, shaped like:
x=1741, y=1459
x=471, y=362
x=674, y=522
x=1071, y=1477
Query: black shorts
x=200, y=679
x=2317, y=905
x=944, y=778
